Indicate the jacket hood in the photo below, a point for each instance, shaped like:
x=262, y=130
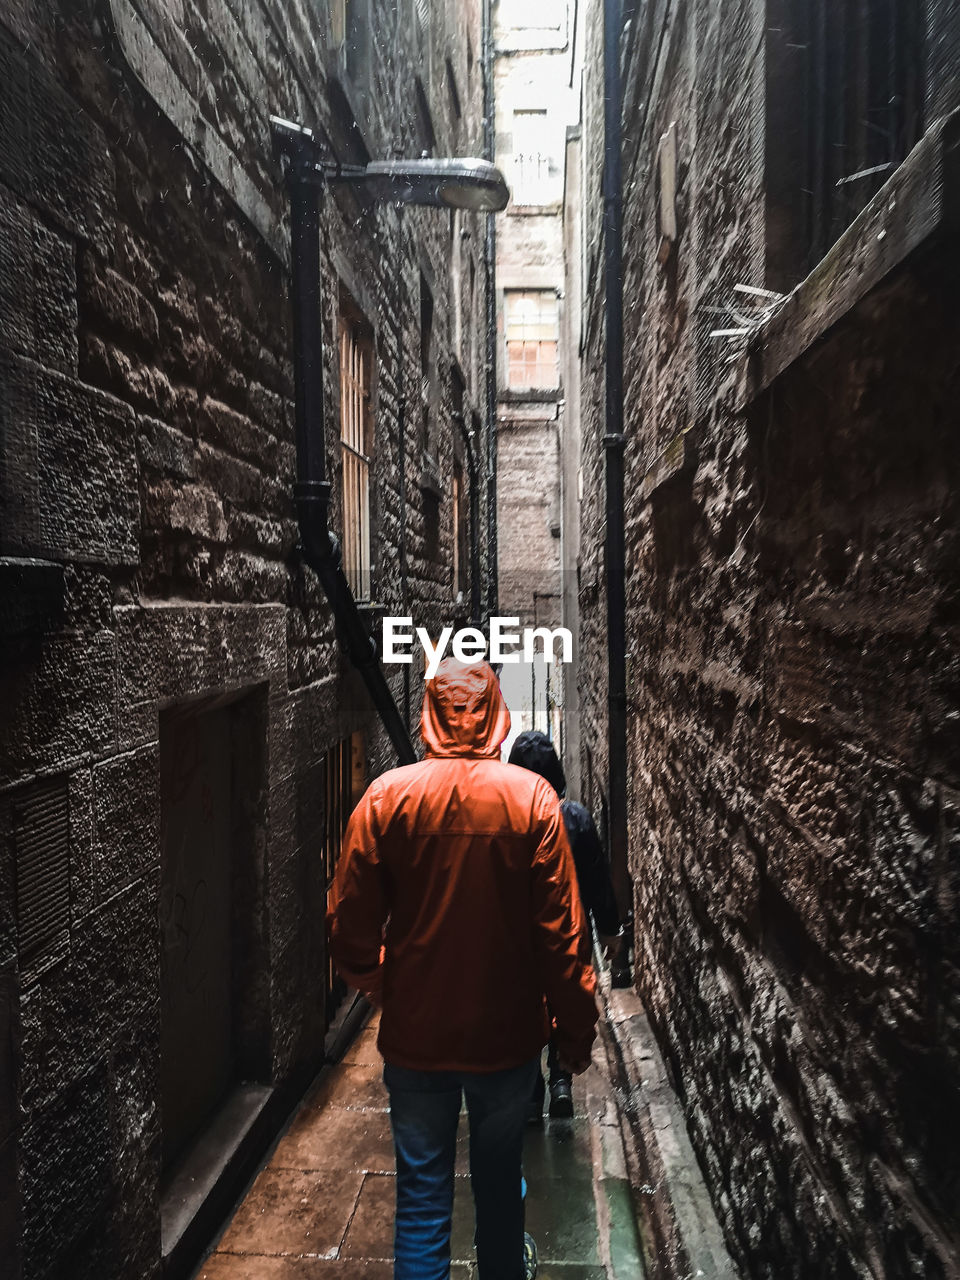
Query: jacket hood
x=533, y=750
x=464, y=713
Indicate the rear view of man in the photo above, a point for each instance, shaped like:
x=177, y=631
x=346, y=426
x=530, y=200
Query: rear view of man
x=455, y=908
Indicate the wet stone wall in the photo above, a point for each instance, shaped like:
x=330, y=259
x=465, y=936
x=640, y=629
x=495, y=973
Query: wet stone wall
x=147, y=447
x=529, y=512
x=793, y=658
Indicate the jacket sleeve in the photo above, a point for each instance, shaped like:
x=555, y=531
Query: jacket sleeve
x=593, y=871
x=558, y=921
x=357, y=908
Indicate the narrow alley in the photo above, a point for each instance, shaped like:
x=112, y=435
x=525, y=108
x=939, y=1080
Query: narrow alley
x=479, y=540
x=323, y=1204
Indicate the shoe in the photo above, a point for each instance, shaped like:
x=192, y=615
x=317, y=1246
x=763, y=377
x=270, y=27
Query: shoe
x=529, y=1256
x=561, y=1100
x=535, y=1105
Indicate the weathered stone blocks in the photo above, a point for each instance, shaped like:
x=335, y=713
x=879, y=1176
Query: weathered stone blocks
x=59, y=706
x=126, y=820
x=70, y=483
x=793, y=697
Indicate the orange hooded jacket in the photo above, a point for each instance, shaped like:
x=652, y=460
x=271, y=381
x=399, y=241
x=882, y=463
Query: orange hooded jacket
x=455, y=902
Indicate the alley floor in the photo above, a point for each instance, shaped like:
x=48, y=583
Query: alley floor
x=322, y=1206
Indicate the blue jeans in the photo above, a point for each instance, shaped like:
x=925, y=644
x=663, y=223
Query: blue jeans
x=424, y=1110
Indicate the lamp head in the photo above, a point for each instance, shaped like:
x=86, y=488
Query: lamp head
x=454, y=183
x=476, y=185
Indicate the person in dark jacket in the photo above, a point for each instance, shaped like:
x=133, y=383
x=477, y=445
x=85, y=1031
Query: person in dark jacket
x=533, y=750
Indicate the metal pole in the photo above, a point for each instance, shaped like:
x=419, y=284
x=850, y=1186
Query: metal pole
x=490, y=256
x=311, y=485
x=402, y=447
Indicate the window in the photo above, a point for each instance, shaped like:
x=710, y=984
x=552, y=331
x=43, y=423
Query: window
x=844, y=94
x=459, y=496
x=356, y=438
x=426, y=138
x=531, y=158
x=421, y=26
x=350, y=33
x=344, y=778
x=455, y=258
x=471, y=324
x=430, y=472
x=338, y=20
x=532, y=325
x=533, y=15
x=452, y=92
x=459, y=531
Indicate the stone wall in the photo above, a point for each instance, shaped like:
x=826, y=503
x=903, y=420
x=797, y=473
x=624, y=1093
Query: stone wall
x=792, y=633
x=529, y=516
x=146, y=437
x=591, y=588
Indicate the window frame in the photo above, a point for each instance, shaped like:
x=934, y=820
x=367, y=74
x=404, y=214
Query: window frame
x=518, y=27
x=553, y=384
x=528, y=191
x=844, y=102
x=356, y=355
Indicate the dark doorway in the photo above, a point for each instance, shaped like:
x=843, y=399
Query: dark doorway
x=211, y=768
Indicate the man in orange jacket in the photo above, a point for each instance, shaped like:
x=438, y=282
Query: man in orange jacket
x=455, y=908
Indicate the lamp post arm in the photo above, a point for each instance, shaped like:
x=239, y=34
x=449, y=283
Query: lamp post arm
x=318, y=544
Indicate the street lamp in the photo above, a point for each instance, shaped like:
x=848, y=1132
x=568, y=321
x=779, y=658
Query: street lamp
x=475, y=185
x=448, y=183
x=470, y=184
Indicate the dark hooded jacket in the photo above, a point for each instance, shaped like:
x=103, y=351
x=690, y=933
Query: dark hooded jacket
x=455, y=899
x=533, y=750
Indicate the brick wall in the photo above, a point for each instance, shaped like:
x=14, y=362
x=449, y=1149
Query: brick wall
x=792, y=640
x=146, y=435
x=529, y=517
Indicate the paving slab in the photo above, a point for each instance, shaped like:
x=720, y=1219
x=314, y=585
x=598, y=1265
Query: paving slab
x=323, y=1206
x=337, y=1138
x=356, y=1086
x=289, y=1211
x=363, y=1049
x=231, y=1266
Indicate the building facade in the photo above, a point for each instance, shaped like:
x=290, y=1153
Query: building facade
x=537, y=78
x=789, y=261
x=182, y=736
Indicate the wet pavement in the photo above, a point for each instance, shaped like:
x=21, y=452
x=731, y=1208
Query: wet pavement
x=322, y=1206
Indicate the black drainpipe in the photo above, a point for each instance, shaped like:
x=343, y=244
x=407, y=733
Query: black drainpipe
x=472, y=473
x=318, y=544
x=490, y=263
x=402, y=443
x=613, y=443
